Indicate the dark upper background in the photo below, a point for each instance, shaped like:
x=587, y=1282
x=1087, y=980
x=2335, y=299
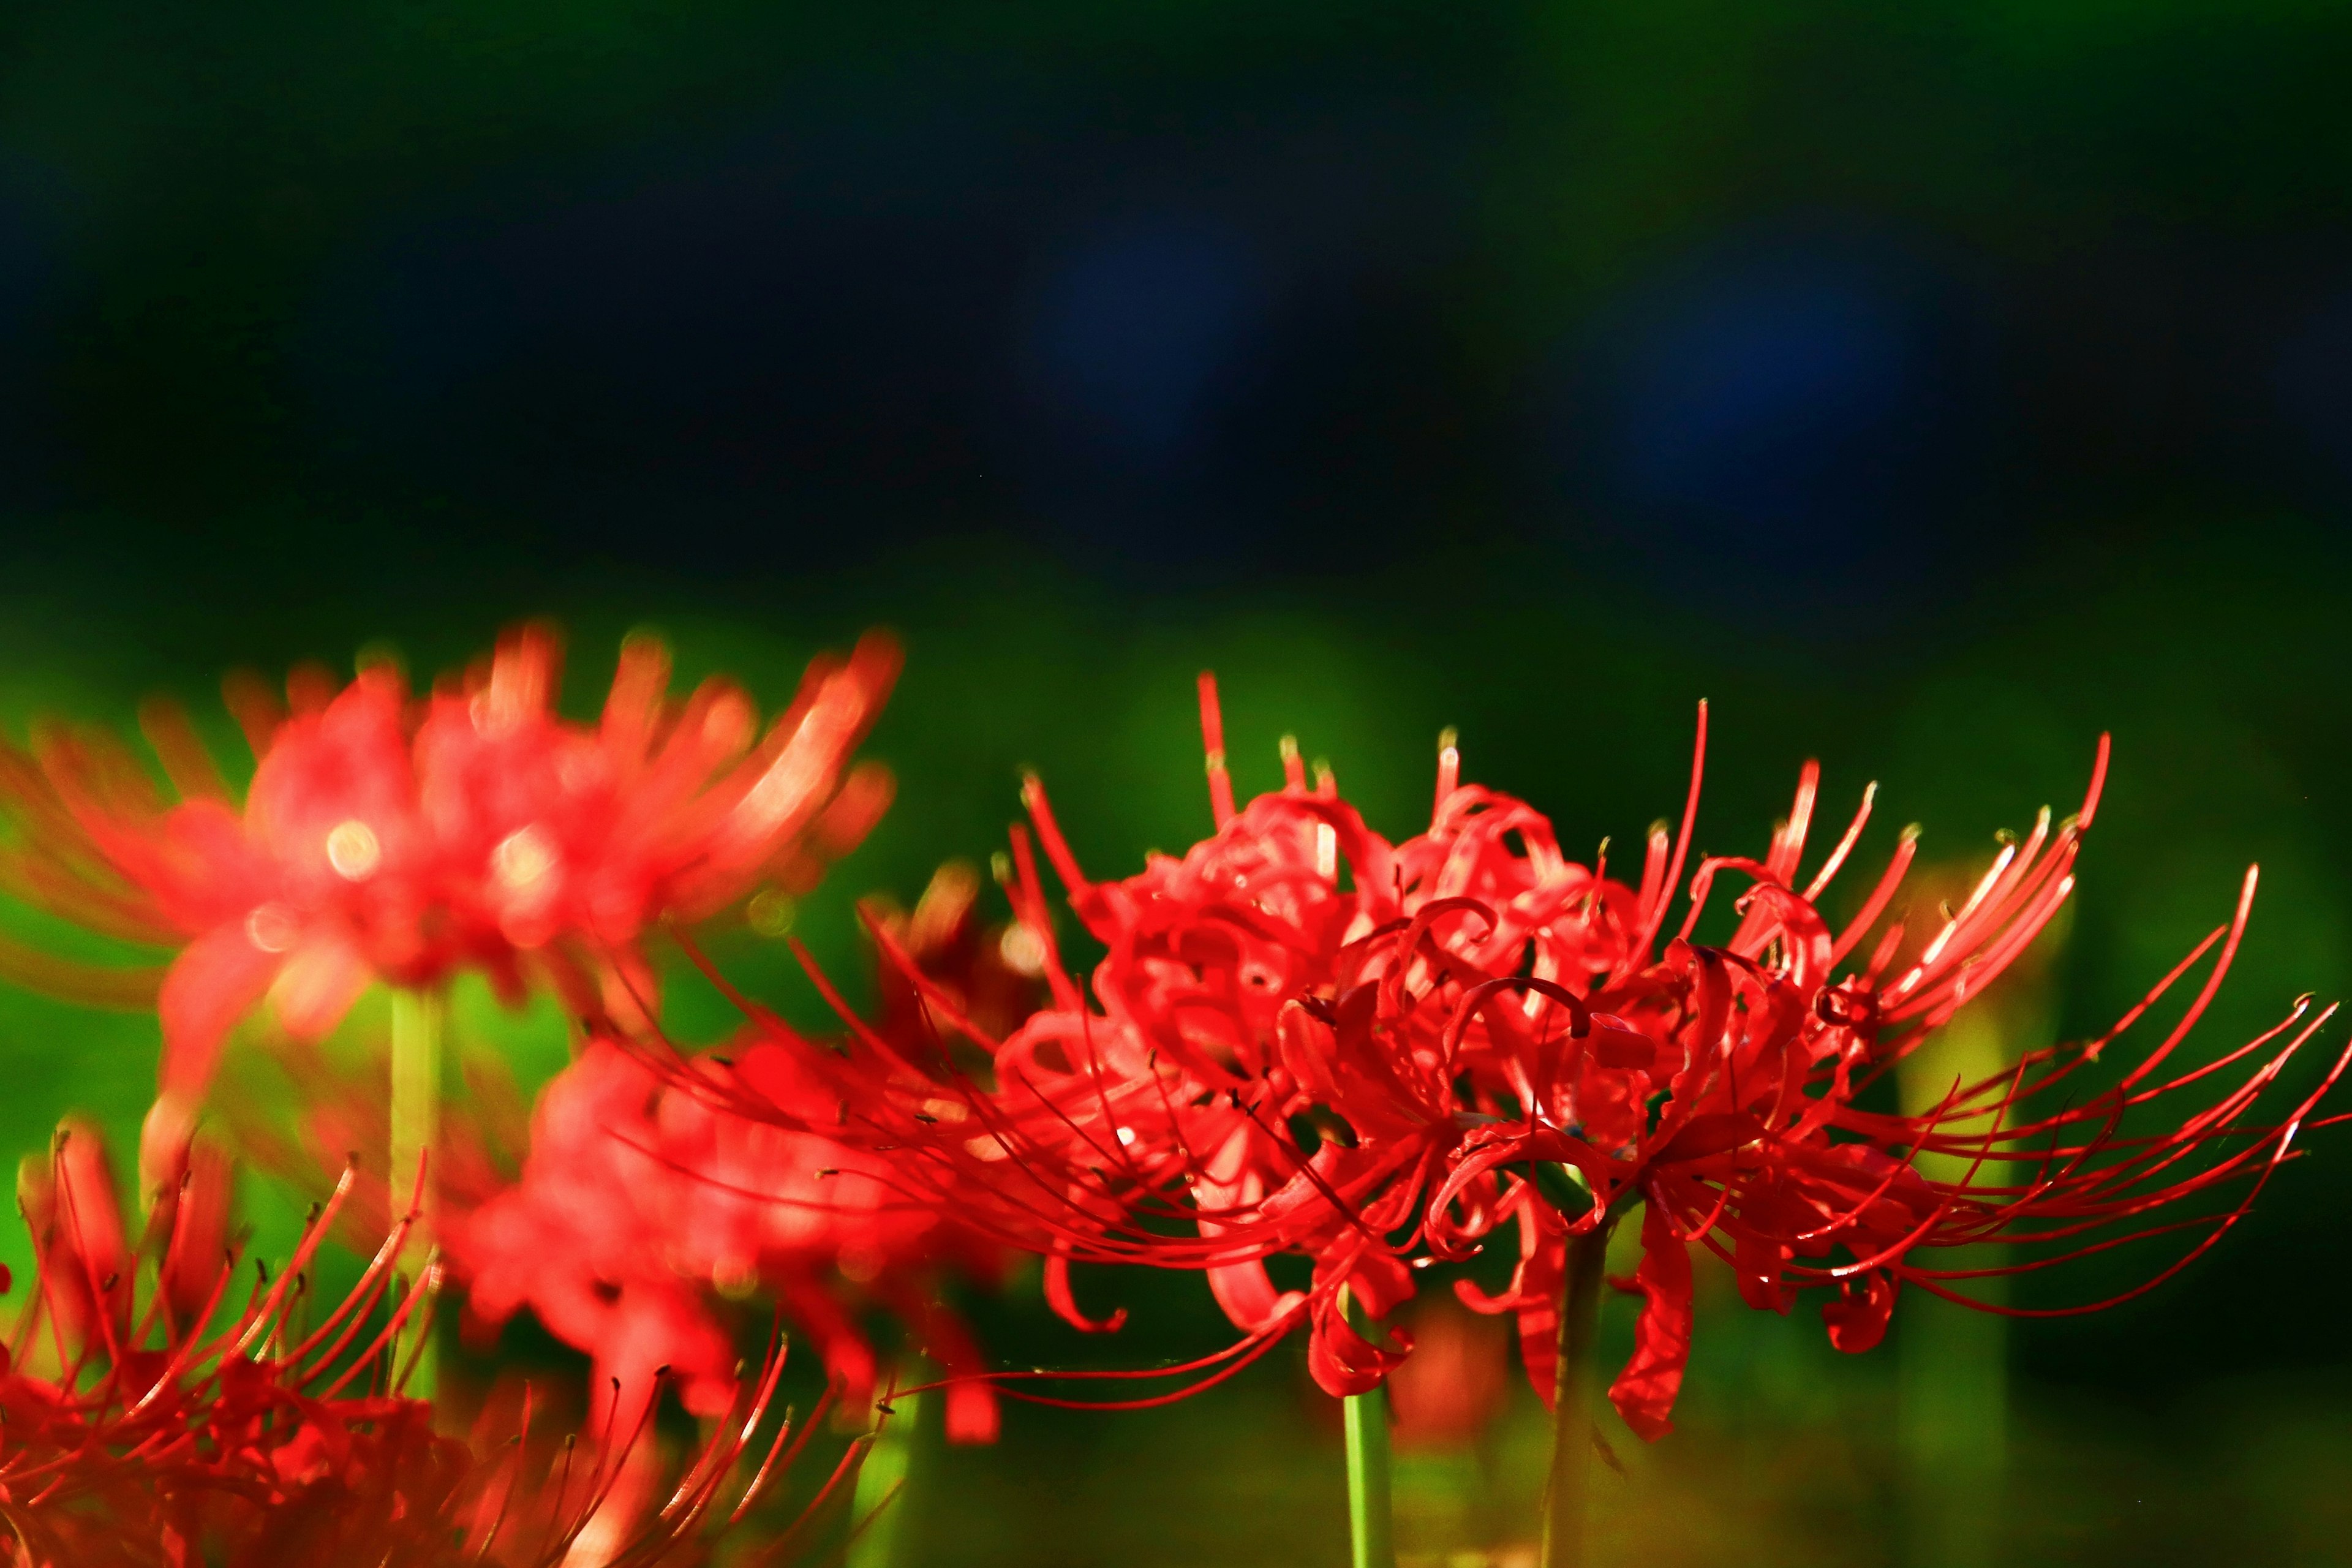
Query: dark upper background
x=1931, y=386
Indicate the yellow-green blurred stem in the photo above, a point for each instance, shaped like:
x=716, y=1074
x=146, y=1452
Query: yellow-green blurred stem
x=415, y=1128
x=878, y=1508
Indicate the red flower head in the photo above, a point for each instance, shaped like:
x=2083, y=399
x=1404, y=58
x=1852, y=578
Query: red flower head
x=1716, y=1089
x=641, y=1199
x=1302, y=1039
x=388, y=838
x=166, y=1431
x=1267, y=1057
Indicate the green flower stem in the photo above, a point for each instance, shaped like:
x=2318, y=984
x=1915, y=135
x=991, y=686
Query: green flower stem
x=417, y=1017
x=878, y=1508
x=1370, y=1517
x=1571, y=1437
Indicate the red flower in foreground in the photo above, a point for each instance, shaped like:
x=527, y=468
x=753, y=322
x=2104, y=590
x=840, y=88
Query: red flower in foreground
x=639, y=1200
x=180, y=1430
x=1719, y=1089
x=391, y=838
x=1304, y=1039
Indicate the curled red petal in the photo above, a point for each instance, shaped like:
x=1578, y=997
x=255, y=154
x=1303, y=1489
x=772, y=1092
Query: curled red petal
x=1856, y=1323
x=1065, y=1304
x=1644, y=1392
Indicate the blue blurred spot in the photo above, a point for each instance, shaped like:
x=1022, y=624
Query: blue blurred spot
x=2313, y=381
x=1772, y=413
x=1133, y=331
x=1756, y=399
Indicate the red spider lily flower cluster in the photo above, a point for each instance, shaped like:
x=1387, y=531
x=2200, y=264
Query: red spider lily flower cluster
x=184, y=1429
x=391, y=838
x=641, y=1199
x=639, y=1202
x=1304, y=1039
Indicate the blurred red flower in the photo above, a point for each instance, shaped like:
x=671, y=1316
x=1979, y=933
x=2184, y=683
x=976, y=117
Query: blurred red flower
x=641, y=1199
x=386, y=838
x=1456, y=1382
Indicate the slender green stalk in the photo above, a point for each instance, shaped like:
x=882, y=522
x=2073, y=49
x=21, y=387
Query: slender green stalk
x=415, y=1128
x=878, y=1507
x=1370, y=1536
x=1371, y=1518
x=1571, y=1419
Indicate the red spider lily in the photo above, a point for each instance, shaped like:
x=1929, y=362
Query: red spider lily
x=1716, y=1089
x=1266, y=1066
x=1467, y=1030
x=387, y=837
x=639, y=1203
x=164, y=1432
x=639, y=1200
